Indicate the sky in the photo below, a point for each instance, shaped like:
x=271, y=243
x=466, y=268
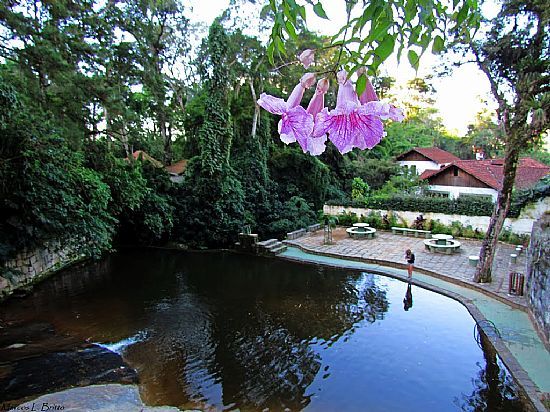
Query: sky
x=458, y=97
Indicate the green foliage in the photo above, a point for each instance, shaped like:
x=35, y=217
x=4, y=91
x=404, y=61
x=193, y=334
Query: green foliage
x=465, y=206
x=372, y=35
x=299, y=174
x=209, y=208
x=56, y=196
x=521, y=198
x=347, y=219
x=405, y=182
x=359, y=189
x=375, y=172
x=125, y=179
x=210, y=201
x=295, y=214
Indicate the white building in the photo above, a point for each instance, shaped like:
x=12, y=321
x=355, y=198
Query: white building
x=426, y=158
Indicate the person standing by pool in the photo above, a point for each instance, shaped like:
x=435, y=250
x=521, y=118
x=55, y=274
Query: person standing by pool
x=409, y=256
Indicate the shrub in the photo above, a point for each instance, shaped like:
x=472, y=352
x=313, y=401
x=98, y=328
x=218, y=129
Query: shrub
x=374, y=219
x=468, y=206
x=347, y=219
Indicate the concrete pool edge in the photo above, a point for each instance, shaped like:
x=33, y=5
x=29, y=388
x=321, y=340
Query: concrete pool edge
x=520, y=375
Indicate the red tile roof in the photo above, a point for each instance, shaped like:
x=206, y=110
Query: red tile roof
x=433, y=153
x=177, y=168
x=427, y=173
x=490, y=172
x=140, y=154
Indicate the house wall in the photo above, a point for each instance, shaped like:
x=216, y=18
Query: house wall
x=421, y=166
x=521, y=225
x=447, y=178
x=456, y=191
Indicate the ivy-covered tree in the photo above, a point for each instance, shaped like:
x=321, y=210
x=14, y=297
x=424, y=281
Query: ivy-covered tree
x=210, y=209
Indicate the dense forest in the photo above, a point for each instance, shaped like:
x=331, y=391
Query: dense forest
x=85, y=85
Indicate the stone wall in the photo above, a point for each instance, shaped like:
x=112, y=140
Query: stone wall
x=30, y=266
x=538, y=269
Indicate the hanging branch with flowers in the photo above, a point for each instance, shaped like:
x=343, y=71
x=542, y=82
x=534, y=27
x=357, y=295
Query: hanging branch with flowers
x=368, y=38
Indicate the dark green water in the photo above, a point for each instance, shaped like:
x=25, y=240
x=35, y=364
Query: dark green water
x=220, y=331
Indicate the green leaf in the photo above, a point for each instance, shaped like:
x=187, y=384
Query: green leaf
x=385, y=48
x=381, y=27
x=292, y=4
x=413, y=59
x=439, y=45
x=270, y=51
x=319, y=11
x=290, y=30
x=462, y=14
x=361, y=84
x=410, y=11
x=302, y=11
x=280, y=45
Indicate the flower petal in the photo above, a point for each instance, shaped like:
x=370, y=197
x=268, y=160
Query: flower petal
x=316, y=145
x=296, y=125
x=347, y=99
x=272, y=104
x=317, y=102
x=369, y=95
x=295, y=97
x=396, y=114
x=306, y=57
x=367, y=130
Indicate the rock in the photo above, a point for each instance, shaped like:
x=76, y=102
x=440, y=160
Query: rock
x=3, y=283
x=37, y=360
x=99, y=398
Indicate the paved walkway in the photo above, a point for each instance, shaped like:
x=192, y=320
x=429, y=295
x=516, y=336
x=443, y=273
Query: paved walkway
x=520, y=346
x=389, y=248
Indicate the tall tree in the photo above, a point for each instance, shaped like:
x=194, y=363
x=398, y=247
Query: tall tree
x=160, y=31
x=513, y=54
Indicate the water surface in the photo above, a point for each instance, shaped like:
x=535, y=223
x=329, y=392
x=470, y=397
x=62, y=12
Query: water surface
x=221, y=331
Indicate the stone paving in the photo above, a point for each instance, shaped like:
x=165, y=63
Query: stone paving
x=387, y=248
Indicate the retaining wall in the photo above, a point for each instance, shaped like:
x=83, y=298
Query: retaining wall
x=29, y=266
x=538, y=269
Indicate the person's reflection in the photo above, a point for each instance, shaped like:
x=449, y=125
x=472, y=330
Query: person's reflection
x=408, y=301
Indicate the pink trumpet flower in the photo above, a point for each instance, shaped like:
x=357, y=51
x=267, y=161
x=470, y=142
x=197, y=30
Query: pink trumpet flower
x=295, y=123
x=316, y=145
x=351, y=124
x=385, y=110
x=306, y=57
x=368, y=95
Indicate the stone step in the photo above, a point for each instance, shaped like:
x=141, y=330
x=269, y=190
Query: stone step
x=278, y=249
x=267, y=243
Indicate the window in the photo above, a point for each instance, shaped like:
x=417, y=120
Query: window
x=437, y=193
x=455, y=171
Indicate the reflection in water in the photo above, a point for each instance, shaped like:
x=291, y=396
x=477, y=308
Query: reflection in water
x=221, y=331
x=494, y=389
x=408, y=301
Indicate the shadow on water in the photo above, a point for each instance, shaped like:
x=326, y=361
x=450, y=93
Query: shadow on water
x=215, y=330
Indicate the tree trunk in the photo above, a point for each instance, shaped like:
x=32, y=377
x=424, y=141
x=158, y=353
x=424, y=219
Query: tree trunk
x=488, y=248
x=256, y=108
x=166, y=138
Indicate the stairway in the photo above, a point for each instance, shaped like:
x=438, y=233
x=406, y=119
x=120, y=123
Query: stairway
x=271, y=247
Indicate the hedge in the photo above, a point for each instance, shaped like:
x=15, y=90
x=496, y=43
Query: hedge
x=468, y=206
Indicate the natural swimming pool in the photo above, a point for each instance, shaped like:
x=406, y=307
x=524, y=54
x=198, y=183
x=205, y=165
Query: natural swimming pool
x=224, y=331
